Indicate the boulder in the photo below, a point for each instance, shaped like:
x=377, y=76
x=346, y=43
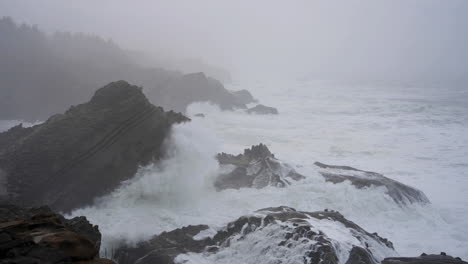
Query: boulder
x=72, y=158
x=257, y=167
x=399, y=192
x=38, y=235
x=262, y=110
x=278, y=233
x=425, y=259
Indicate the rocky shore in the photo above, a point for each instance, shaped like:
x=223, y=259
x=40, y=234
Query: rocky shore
x=38, y=235
x=86, y=152
x=78, y=156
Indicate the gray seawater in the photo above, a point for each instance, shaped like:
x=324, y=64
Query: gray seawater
x=418, y=136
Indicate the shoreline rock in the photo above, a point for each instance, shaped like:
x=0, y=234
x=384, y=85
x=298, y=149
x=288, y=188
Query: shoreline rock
x=399, y=192
x=257, y=168
x=441, y=258
x=276, y=229
x=262, y=110
x=75, y=157
x=38, y=235
x=194, y=87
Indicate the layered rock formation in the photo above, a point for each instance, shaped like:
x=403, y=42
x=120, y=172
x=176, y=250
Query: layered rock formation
x=279, y=233
x=38, y=235
x=262, y=110
x=257, y=167
x=399, y=192
x=86, y=152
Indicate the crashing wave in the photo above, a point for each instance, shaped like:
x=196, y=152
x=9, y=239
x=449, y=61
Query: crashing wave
x=400, y=193
x=270, y=235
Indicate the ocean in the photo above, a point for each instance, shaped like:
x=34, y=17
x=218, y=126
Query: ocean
x=416, y=135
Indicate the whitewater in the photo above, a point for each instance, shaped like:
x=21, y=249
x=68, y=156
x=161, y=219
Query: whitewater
x=418, y=136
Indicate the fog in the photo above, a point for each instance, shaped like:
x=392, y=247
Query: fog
x=420, y=41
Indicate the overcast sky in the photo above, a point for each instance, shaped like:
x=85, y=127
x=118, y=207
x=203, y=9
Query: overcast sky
x=349, y=37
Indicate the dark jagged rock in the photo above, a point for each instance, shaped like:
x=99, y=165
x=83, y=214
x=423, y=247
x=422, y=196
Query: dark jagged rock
x=425, y=259
x=399, y=192
x=165, y=247
x=262, y=110
x=256, y=168
x=244, y=97
x=195, y=87
x=86, y=152
x=38, y=235
x=270, y=230
x=359, y=255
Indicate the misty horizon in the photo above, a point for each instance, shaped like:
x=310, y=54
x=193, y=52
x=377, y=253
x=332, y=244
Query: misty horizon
x=233, y=132
x=409, y=42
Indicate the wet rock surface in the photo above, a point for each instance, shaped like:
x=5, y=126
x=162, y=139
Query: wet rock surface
x=257, y=167
x=72, y=158
x=38, y=235
x=398, y=191
x=262, y=110
x=164, y=247
x=442, y=258
x=277, y=230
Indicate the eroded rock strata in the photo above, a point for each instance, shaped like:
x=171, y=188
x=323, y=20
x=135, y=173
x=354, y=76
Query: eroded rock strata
x=86, y=152
x=38, y=235
x=257, y=167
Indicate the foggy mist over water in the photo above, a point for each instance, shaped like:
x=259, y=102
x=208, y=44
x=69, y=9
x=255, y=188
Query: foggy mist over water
x=414, y=41
x=377, y=85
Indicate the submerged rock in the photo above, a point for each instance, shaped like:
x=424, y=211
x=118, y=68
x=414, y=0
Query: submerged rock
x=74, y=157
x=425, y=259
x=262, y=110
x=280, y=233
x=399, y=192
x=38, y=235
x=256, y=168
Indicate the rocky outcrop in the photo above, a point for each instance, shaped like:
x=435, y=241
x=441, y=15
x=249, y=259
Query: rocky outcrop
x=279, y=233
x=257, y=167
x=262, y=110
x=195, y=87
x=399, y=192
x=86, y=152
x=244, y=97
x=38, y=235
x=164, y=248
x=442, y=258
